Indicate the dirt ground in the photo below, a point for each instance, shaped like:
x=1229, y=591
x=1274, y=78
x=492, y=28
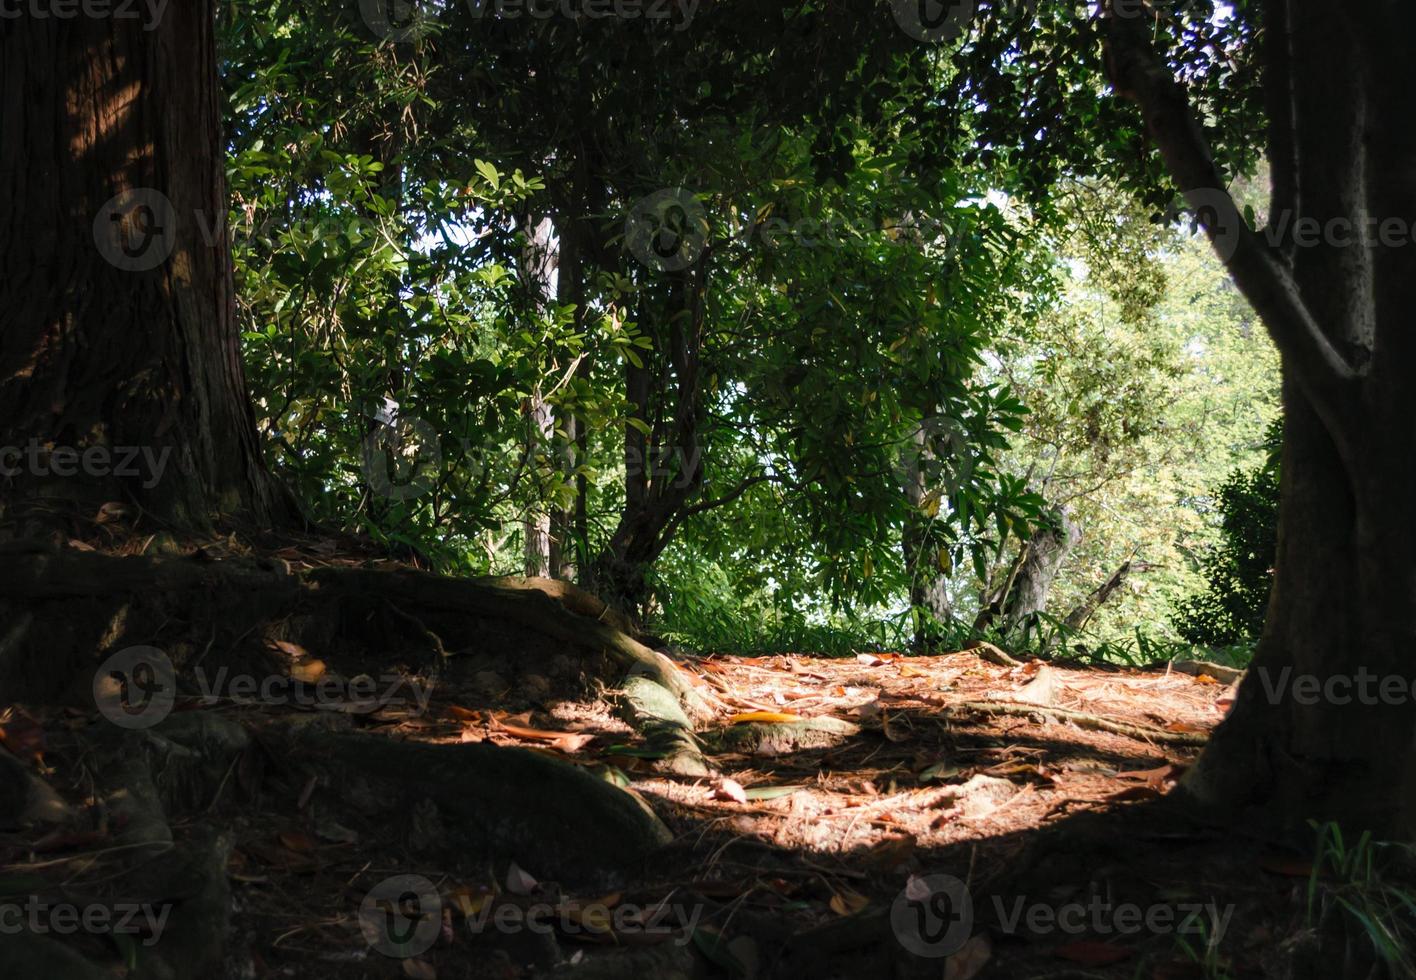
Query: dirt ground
x=879, y=816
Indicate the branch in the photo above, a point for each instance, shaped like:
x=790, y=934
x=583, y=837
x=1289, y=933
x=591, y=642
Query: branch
x=1137, y=73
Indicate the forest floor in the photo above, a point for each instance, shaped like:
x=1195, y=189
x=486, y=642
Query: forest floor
x=883, y=816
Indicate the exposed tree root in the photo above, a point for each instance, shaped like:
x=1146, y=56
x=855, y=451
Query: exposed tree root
x=496, y=800
x=1081, y=719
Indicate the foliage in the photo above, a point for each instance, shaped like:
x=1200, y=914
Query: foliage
x=1239, y=570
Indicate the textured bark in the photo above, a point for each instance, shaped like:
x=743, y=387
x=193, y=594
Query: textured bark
x=93, y=354
x=540, y=262
x=929, y=585
x=1047, y=549
x=1344, y=596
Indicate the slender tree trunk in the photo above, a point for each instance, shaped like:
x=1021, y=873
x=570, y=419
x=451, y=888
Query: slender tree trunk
x=540, y=262
x=1324, y=724
x=929, y=585
x=117, y=322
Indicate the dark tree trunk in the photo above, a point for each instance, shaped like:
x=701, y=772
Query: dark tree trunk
x=1343, y=606
x=663, y=471
x=117, y=323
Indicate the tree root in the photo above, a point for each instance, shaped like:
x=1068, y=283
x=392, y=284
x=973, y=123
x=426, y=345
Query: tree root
x=560, y=821
x=1089, y=722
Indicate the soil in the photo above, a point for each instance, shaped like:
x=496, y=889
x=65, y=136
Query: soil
x=878, y=816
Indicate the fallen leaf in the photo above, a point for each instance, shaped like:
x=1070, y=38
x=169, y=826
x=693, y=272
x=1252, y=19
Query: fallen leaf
x=419, y=970
x=297, y=841
x=768, y=717
x=907, y=671
x=1086, y=952
x=564, y=741
x=308, y=671
x=293, y=649
x=846, y=902
x=970, y=959
x=518, y=882
x=469, y=901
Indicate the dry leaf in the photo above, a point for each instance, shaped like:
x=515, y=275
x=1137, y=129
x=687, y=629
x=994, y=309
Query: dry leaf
x=308, y=671
x=1086, y=952
x=970, y=959
x=768, y=717
x=293, y=649
x=419, y=970
x=847, y=902
x=518, y=882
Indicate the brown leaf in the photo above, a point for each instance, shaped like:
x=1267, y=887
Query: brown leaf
x=298, y=841
x=419, y=969
x=1089, y=952
x=293, y=649
x=308, y=671
x=846, y=902
x=564, y=741
x=970, y=960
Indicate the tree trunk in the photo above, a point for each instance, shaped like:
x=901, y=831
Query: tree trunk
x=929, y=585
x=1324, y=724
x=540, y=262
x=1047, y=549
x=120, y=376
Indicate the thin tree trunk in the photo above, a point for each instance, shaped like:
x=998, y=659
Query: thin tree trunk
x=929, y=584
x=540, y=262
x=117, y=320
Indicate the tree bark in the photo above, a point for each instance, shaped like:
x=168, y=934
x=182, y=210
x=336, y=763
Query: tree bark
x=1343, y=606
x=929, y=584
x=540, y=266
x=117, y=321
x=1047, y=549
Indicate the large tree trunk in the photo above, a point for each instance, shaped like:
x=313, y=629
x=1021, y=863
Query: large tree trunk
x=1343, y=608
x=117, y=323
